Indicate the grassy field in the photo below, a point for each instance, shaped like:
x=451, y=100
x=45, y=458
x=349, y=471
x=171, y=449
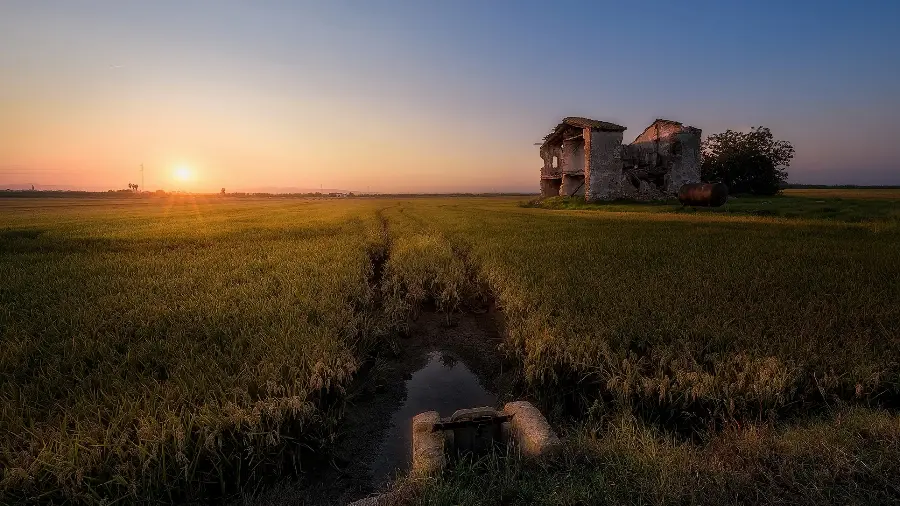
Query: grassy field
x=849, y=457
x=149, y=346
x=166, y=347
x=714, y=314
x=873, y=206
x=707, y=357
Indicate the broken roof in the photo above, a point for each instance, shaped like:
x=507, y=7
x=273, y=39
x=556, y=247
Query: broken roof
x=578, y=122
x=592, y=123
x=658, y=122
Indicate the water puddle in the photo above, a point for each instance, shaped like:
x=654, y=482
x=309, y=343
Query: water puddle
x=444, y=385
x=374, y=440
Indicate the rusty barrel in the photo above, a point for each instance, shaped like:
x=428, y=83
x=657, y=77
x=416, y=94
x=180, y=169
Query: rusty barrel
x=703, y=194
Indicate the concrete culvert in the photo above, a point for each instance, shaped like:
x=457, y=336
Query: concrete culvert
x=428, y=446
x=530, y=430
x=476, y=430
x=472, y=431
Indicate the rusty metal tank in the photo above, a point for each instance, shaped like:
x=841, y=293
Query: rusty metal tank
x=703, y=194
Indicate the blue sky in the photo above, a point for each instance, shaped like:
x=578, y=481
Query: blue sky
x=428, y=96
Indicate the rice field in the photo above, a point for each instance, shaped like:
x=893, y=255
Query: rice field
x=153, y=346
x=183, y=347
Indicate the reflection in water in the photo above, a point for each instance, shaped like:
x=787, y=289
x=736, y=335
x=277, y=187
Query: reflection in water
x=443, y=385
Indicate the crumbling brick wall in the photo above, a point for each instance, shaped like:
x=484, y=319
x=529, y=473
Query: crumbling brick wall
x=572, y=165
x=548, y=153
x=686, y=162
x=550, y=175
x=662, y=159
x=605, y=167
x=592, y=161
x=550, y=187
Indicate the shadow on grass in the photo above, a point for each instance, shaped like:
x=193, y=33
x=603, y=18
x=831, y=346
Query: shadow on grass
x=850, y=210
x=27, y=240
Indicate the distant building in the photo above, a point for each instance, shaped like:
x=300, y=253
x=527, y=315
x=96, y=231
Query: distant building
x=585, y=157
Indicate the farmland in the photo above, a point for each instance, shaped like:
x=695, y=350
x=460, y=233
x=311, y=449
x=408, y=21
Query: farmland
x=173, y=347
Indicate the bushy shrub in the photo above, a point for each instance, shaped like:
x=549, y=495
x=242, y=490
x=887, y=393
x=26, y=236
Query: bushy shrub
x=752, y=162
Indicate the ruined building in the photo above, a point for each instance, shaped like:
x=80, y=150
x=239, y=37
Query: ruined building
x=585, y=157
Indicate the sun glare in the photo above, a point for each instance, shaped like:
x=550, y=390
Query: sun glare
x=183, y=173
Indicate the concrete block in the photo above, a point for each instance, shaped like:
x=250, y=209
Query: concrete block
x=367, y=501
x=428, y=446
x=530, y=430
x=376, y=500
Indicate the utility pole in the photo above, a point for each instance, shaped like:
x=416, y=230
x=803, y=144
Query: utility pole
x=142, y=176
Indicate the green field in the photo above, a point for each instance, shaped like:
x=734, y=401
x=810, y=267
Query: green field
x=170, y=348
x=872, y=206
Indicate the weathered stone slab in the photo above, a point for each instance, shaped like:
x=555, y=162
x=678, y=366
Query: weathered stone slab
x=428, y=445
x=472, y=413
x=530, y=430
x=377, y=500
x=367, y=501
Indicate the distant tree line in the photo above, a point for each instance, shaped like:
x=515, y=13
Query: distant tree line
x=799, y=186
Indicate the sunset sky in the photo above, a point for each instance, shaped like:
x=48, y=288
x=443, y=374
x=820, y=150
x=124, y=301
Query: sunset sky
x=426, y=95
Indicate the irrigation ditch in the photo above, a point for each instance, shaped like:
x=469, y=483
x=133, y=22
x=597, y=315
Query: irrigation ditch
x=438, y=348
x=441, y=346
x=427, y=333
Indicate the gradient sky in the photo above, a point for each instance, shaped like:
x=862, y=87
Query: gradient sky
x=427, y=95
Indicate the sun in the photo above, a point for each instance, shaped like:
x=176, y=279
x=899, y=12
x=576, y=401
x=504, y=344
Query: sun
x=183, y=173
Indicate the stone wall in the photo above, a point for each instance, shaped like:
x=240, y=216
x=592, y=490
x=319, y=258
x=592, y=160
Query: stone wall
x=572, y=185
x=547, y=155
x=572, y=166
x=686, y=163
x=572, y=161
x=605, y=166
x=663, y=158
x=550, y=187
x=595, y=164
x=550, y=175
x=659, y=129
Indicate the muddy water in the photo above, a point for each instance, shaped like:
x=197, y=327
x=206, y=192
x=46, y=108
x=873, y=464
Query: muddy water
x=444, y=385
x=436, y=367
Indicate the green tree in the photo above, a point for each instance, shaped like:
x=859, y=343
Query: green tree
x=752, y=162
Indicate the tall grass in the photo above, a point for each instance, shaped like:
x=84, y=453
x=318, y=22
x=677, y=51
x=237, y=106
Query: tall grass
x=848, y=457
x=175, y=347
x=154, y=347
x=425, y=268
x=710, y=317
x=754, y=335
